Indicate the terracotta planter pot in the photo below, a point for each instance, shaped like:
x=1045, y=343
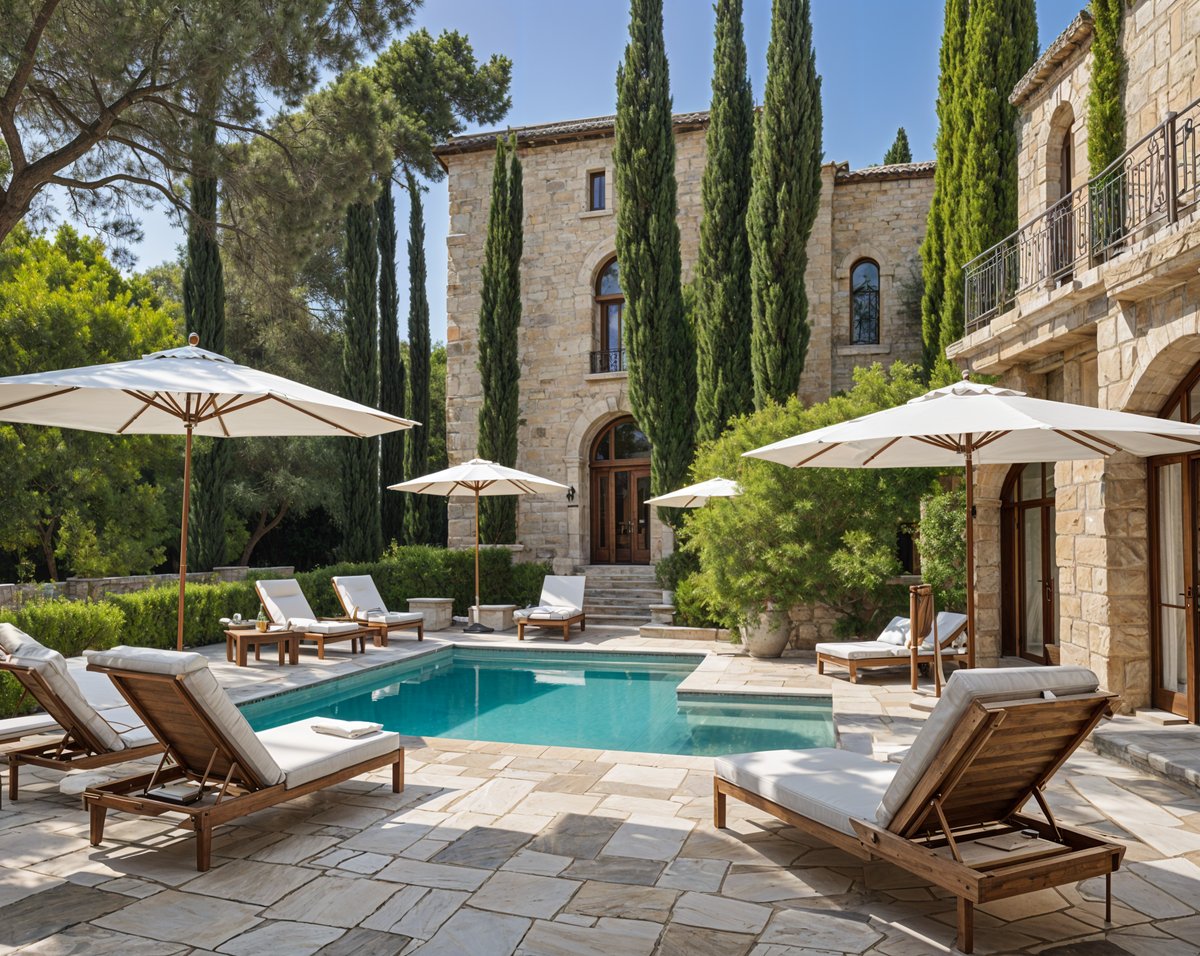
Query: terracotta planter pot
x=769, y=637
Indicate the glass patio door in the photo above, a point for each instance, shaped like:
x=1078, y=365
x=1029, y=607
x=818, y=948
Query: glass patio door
x=1031, y=604
x=1176, y=559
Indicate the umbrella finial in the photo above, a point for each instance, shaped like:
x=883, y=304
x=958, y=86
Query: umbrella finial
x=193, y=339
x=966, y=376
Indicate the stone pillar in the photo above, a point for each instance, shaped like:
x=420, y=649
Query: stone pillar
x=987, y=581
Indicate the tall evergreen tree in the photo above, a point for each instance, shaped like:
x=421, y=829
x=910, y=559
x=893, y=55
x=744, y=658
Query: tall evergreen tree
x=1106, y=100
x=657, y=338
x=499, y=325
x=785, y=194
x=900, y=151
x=391, y=370
x=417, y=520
x=1001, y=45
x=361, y=535
x=942, y=209
x=724, y=386
x=204, y=314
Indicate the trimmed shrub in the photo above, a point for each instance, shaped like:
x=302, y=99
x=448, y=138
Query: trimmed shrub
x=69, y=627
x=151, y=615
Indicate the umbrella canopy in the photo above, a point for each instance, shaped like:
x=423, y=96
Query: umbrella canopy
x=185, y=391
x=698, y=495
x=478, y=478
x=968, y=424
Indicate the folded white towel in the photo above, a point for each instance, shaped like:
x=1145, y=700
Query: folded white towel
x=351, y=729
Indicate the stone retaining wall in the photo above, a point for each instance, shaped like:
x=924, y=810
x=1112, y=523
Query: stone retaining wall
x=83, y=589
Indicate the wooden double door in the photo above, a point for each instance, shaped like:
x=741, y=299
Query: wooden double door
x=620, y=486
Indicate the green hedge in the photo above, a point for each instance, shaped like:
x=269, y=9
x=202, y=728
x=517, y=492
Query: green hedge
x=70, y=627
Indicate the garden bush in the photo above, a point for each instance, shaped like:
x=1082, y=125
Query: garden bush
x=943, y=544
x=801, y=536
x=151, y=615
x=69, y=627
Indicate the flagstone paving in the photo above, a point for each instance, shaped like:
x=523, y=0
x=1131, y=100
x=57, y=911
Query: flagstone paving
x=498, y=849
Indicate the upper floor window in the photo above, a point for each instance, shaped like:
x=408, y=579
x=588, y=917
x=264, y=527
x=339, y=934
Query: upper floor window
x=864, y=303
x=596, y=189
x=610, y=302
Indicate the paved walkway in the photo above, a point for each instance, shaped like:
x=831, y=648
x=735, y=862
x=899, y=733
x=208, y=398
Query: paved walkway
x=495, y=849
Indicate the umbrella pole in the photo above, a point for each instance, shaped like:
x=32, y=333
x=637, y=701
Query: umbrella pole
x=476, y=627
x=183, y=537
x=970, y=556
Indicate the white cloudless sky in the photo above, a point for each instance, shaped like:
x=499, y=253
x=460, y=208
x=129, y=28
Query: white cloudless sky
x=877, y=59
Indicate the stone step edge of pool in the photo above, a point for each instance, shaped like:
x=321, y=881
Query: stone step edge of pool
x=679, y=632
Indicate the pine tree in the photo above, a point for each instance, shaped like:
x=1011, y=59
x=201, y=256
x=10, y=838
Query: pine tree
x=204, y=314
x=1106, y=102
x=724, y=384
x=418, y=528
x=900, y=152
x=391, y=371
x=658, y=341
x=785, y=194
x=499, y=325
x=1001, y=46
x=933, y=247
x=361, y=536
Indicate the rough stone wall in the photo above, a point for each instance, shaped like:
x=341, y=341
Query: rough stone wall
x=1162, y=47
x=93, y=589
x=884, y=220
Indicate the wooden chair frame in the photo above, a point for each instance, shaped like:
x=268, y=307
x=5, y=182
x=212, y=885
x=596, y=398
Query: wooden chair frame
x=77, y=749
x=202, y=754
x=357, y=639
x=565, y=624
x=999, y=757
x=381, y=631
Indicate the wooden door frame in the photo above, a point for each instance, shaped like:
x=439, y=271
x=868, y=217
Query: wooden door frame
x=1012, y=577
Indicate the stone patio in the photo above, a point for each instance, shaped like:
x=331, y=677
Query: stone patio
x=501, y=848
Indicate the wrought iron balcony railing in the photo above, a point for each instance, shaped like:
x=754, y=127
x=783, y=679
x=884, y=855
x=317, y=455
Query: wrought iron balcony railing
x=1151, y=184
x=608, y=360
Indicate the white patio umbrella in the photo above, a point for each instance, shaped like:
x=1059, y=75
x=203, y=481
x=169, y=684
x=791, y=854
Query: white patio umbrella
x=969, y=424
x=698, y=495
x=185, y=391
x=476, y=478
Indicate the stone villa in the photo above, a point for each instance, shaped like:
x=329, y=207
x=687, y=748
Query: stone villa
x=577, y=426
x=1096, y=300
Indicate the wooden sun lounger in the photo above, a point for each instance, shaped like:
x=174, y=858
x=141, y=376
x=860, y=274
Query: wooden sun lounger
x=83, y=745
x=361, y=601
x=209, y=745
x=960, y=825
x=286, y=605
x=560, y=605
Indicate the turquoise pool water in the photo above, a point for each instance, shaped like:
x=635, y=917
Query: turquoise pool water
x=599, y=701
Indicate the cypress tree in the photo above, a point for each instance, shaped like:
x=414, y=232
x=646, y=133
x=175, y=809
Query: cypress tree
x=361, y=537
x=933, y=247
x=204, y=314
x=417, y=519
x=499, y=325
x=657, y=338
x=1001, y=45
x=785, y=194
x=391, y=370
x=900, y=152
x=1106, y=102
x=724, y=386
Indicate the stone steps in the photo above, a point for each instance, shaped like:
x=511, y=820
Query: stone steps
x=619, y=594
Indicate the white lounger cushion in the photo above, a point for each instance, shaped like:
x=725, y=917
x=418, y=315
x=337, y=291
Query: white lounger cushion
x=863, y=650
x=51, y=666
x=826, y=785
x=948, y=622
x=198, y=679
x=896, y=632
x=562, y=591
x=964, y=687
x=359, y=596
x=304, y=755
x=284, y=601
x=13, y=639
x=394, y=617
x=312, y=626
x=547, y=613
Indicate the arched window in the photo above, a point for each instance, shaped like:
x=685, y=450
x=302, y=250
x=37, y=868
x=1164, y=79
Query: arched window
x=864, y=303
x=610, y=305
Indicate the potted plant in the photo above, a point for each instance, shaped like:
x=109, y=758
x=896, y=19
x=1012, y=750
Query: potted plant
x=765, y=631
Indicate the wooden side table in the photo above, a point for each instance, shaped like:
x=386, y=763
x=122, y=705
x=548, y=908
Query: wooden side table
x=242, y=639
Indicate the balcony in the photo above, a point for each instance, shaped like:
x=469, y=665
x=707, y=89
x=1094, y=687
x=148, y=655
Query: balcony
x=608, y=360
x=1155, y=182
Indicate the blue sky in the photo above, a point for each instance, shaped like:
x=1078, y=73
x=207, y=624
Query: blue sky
x=877, y=59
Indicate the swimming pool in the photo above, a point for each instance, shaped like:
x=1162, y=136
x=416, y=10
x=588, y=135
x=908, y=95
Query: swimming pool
x=566, y=699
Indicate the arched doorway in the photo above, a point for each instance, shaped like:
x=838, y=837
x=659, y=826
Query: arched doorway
x=1029, y=582
x=1174, y=494
x=619, y=467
